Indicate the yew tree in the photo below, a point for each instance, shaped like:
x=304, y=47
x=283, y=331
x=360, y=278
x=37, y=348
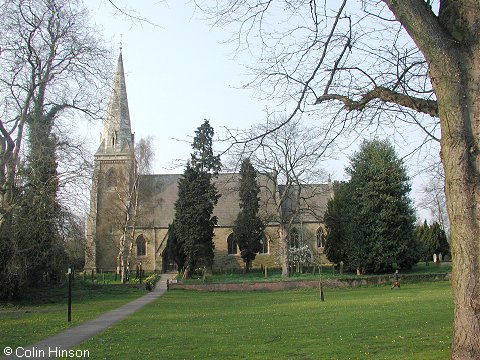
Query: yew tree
x=197, y=197
x=372, y=220
x=248, y=228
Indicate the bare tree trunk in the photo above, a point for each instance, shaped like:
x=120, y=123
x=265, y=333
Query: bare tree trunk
x=134, y=219
x=283, y=238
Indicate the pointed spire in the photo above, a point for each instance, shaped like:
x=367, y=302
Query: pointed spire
x=117, y=132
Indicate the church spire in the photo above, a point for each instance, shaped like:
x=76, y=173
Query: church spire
x=117, y=132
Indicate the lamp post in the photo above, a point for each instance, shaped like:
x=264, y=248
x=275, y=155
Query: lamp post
x=69, y=294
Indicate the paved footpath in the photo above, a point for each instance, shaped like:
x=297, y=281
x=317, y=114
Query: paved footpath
x=52, y=346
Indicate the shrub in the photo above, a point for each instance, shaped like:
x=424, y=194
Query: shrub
x=150, y=281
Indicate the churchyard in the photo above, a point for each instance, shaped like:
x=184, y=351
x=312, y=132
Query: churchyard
x=372, y=322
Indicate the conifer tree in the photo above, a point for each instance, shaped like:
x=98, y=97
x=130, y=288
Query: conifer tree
x=339, y=239
x=248, y=228
x=433, y=239
x=377, y=215
x=437, y=239
x=197, y=196
x=421, y=232
x=175, y=247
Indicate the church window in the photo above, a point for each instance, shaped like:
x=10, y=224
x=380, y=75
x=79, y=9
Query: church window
x=141, y=246
x=294, y=239
x=232, y=245
x=111, y=179
x=263, y=245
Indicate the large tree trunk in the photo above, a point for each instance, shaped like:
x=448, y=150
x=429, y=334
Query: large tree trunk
x=457, y=87
x=459, y=107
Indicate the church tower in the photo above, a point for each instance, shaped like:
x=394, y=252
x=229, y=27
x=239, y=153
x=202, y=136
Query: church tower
x=112, y=181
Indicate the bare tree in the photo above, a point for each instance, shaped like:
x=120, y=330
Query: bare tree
x=385, y=61
x=433, y=198
x=52, y=63
x=127, y=202
x=71, y=228
x=290, y=157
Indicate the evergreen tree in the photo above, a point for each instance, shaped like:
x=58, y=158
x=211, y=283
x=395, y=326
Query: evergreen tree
x=37, y=217
x=174, y=247
x=421, y=231
x=197, y=196
x=202, y=159
x=339, y=218
x=438, y=239
x=378, y=234
x=248, y=228
x=433, y=239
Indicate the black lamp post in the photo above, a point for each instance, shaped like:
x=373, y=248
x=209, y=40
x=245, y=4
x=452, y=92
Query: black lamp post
x=69, y=294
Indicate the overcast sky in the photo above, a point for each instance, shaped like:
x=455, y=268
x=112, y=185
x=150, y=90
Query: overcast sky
x=179, y=71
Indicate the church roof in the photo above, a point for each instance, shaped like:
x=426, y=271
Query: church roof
x=309, y=201
x=117, y=133
x=158, y=193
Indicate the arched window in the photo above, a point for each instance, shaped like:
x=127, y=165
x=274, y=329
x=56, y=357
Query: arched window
x=294, y=239
x=111, y=179
x=141, y=246
x=320, y=238
x=232, y=248
x=264, y=245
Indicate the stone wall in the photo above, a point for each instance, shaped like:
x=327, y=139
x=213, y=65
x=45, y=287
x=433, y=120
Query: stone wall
x=307, y=284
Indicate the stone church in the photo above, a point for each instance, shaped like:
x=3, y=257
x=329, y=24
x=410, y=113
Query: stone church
x=143, y=207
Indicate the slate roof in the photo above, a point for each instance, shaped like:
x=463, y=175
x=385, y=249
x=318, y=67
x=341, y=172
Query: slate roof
x=158, y=193
x=310, y=203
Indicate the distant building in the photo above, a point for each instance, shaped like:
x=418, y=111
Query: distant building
x=147, y=217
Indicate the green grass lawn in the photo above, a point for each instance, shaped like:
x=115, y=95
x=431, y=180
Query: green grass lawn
x=360, y=323
x=42, y=312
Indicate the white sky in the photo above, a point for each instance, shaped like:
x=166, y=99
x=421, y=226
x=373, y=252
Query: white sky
x=181, y=72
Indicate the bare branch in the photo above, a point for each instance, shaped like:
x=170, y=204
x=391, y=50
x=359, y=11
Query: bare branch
x=383, y=94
